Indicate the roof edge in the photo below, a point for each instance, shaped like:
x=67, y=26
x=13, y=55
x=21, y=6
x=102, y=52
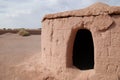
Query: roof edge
x=93, y=10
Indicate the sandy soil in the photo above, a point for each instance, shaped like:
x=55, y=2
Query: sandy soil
x=16, y=50
x=20, y=59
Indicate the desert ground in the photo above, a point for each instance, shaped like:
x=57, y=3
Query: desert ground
x=20, y=59
x=19, y=56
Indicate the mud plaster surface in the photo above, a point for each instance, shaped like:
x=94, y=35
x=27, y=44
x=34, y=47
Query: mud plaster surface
x=58, y=34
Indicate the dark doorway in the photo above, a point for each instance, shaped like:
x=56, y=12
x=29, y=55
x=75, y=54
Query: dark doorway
x=83, y=50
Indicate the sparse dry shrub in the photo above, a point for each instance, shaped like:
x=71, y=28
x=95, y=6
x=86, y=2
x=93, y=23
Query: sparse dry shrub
x=23, y=32
x=4, y=29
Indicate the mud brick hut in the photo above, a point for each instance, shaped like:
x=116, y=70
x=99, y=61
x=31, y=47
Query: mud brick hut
x=83, y=44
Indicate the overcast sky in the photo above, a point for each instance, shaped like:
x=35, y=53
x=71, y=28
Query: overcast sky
x=28, y=13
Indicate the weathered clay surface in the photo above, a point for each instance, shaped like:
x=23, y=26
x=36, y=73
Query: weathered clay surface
x=102, y=22
x=58, y=34
x=96, y=9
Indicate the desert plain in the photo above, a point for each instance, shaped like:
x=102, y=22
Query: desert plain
x=20, y=57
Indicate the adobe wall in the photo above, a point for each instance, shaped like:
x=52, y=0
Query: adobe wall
x=58, y=36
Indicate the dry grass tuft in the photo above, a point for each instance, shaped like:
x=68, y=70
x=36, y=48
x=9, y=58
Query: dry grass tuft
x=23, y=32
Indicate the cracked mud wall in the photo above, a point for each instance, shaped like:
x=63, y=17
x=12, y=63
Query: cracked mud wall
x=58, y=37
x=58, y=34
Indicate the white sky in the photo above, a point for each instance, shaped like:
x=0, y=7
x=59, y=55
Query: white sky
x=29, y=13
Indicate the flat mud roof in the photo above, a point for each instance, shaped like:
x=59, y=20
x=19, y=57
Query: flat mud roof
x=93, y=10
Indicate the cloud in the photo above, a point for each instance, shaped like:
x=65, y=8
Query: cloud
x=28, y=13
x=18, y=13
x=17, y=1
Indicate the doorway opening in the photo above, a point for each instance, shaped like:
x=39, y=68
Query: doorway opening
x=83, y=50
